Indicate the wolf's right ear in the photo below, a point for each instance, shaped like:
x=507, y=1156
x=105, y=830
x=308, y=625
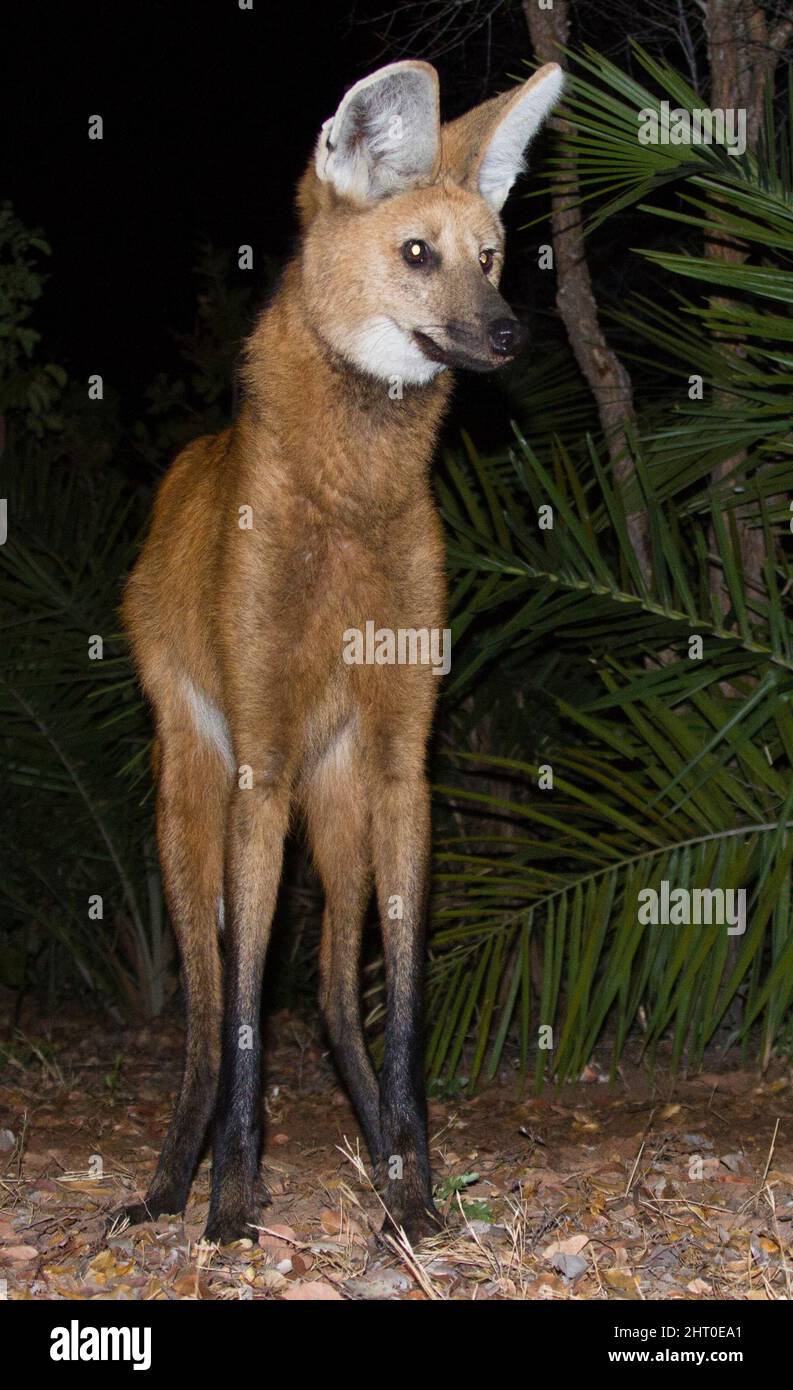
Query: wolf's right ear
x=385, y=136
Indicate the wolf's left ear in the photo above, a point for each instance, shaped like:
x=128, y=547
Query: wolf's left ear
x=484, y=148
x=385, y=136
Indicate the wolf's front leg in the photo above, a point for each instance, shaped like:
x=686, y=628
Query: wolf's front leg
x=401, y=837
x=256, y=830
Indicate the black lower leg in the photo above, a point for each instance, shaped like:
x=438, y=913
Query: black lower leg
x=184, y=1142
x=401, y=851
x=237, y=1137
x=257, y=824
x=403, y=1116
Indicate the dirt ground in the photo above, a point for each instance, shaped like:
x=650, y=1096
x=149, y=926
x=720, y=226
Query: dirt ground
x=646, y=1191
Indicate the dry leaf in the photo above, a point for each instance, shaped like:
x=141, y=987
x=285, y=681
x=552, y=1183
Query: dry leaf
x=572, y=1246
x=623, y=1283
x=303, y=1290
x=332, y=1222
x=379, y=1284
x=21, y=1253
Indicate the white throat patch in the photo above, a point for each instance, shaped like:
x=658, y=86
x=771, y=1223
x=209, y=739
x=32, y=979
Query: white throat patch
x=384, y=350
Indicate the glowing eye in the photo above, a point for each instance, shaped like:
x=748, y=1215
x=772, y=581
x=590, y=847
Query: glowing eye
x=415, y=252
x=486, y=259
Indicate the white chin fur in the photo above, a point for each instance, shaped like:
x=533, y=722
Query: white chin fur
x=383, y=350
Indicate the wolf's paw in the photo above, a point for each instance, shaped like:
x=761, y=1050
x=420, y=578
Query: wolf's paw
x=224, y=1227
x=417, y=1222
x=135, y=1213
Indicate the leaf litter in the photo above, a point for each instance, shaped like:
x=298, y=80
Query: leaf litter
x=647, y=1191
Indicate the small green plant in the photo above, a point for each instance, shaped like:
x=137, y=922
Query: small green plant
x=478, y=1211
x=454, y=1184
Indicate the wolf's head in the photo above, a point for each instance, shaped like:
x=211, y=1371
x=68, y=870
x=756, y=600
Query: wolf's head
x=403, y=242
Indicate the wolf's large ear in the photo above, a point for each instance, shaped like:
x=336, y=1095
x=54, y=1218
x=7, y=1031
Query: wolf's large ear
x=484, y=148
x=385, y=136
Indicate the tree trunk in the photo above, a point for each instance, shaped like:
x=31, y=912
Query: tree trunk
x=743, y=52
x=608, y=379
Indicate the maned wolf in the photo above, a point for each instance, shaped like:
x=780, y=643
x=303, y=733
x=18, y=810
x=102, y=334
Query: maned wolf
x=311, y=517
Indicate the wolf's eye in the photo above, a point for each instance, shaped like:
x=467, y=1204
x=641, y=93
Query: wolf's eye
x=415, y=252
x=486, y=259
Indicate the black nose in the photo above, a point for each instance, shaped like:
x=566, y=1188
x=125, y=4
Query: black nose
x=507, y=337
